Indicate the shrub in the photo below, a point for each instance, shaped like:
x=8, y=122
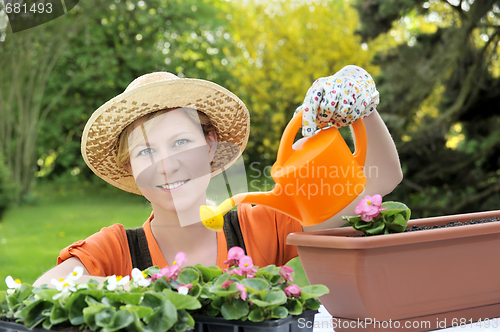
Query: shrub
x=8, y=188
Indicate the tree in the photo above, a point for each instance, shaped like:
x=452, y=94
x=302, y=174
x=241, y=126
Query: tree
x=281, y=48
x=27, y=61
x=440, y=94
x=103, y=47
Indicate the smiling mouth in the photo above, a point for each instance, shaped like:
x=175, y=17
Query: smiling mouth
x=174, y=185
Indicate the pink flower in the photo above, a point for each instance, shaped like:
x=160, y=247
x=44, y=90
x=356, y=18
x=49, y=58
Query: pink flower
x=234, y=254
x=180, y=259
x=285, y=272
x=292, y=290
x=246, y=267
x=227, y=283
x=369, y=207
x=156, y=276
x=243, y=291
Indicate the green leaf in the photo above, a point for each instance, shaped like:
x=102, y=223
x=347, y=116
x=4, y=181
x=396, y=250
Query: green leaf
x=209, y=273
x=160, y=284
x=74, y=306
x=399, y=224
x=182, y=301
x=125, y=297
x=4, y=305
x=206, y=294
x=352, y=219
x=184, y=321
x=46, y=294
x=294, y=306
x=313, y=291
x=105, y=316
x=313, y=304
x=138, y=325
x=212, y=312
x=188, y=276
x=163, y=319
x=224, y=292
x=58, y=314
x=121, y=320
x=278, y=312
x=299, y=276
x=390, y=205
x=221, y=279
x=195, y=291
x=47, y=324
x=140, y=310
x=33, y=313
x=217, y=303
x=255, y=285
x=235, y=310
x=256, y=315
x=378, y=228
x=276, y=297
x=152, y=300
x=271, y=269
x=89, y=314
x=24, y=292
x=152, y=270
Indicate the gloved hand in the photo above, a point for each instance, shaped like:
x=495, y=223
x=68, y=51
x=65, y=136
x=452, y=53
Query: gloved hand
x=338, y=100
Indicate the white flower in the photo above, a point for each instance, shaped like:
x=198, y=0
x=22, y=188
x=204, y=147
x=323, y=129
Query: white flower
x=65, y=285
x=114, y=282
x=76, y=274
x=184, y=290
x=139, y=278
x=12, y=284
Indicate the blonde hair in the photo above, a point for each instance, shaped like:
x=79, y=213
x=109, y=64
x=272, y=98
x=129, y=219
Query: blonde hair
x=123, y=156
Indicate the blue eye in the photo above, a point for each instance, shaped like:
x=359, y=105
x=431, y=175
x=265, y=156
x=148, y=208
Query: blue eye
x=145, y=152
x=181, y=142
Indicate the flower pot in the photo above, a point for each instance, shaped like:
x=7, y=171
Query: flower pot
x=300, y=323
x=432, y=275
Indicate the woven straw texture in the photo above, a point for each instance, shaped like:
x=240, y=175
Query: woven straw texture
x=154, y=92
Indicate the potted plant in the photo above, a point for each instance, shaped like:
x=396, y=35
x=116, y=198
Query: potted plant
x=174, y=298
x=425, y=279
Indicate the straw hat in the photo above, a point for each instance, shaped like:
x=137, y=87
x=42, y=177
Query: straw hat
x=154, y=92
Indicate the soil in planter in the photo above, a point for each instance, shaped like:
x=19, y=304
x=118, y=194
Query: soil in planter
x=415, y=228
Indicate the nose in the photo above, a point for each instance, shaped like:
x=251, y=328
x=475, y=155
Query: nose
x=168, y=165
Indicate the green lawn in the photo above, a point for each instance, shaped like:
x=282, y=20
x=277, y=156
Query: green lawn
x=31, y=236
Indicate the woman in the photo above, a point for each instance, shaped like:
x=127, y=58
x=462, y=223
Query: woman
x=164, y=137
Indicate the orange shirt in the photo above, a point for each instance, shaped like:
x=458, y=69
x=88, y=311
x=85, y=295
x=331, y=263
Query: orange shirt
x=264, y=232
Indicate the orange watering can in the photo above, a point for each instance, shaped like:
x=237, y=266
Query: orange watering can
x=314, y=182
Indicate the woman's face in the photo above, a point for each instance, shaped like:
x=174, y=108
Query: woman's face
x=170, y=161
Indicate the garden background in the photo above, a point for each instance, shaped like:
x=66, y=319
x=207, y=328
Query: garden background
x=435, y=63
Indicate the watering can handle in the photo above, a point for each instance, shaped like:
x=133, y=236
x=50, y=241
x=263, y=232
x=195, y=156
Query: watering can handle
x=286, y=142
x=361, y=142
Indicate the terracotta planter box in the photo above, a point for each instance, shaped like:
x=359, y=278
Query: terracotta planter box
x=432, y=275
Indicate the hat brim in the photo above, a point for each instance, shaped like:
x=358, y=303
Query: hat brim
x=226, y=111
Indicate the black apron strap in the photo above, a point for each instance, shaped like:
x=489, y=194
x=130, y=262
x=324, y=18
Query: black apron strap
x=232, y=230
x=138, y=246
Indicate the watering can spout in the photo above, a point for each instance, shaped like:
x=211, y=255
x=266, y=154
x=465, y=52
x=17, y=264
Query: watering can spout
x=212, y=217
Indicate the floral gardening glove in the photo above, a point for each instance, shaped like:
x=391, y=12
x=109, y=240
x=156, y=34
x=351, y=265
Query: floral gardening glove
x=338, y=100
